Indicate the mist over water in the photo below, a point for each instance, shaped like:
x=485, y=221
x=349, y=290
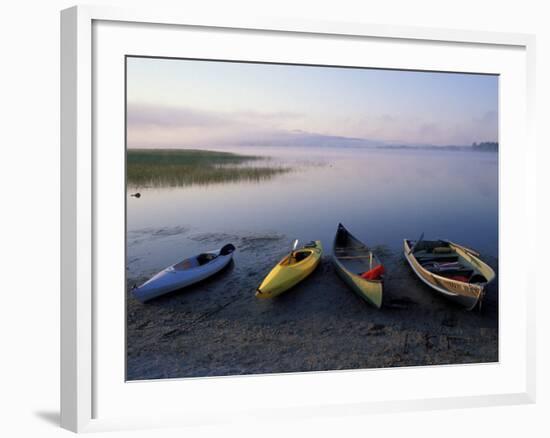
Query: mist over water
x=381, y=195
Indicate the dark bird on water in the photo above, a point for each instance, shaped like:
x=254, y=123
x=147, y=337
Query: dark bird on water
x=136, y=195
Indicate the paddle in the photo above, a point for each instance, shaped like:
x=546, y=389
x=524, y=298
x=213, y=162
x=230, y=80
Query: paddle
x=416, y=243
x=294, y=246
x=471, y=251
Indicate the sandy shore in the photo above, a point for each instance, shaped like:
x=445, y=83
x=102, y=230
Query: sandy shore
x=220, y=328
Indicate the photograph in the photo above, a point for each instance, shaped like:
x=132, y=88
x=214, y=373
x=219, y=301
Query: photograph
x=289, y=218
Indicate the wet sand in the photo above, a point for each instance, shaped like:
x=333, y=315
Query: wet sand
x=220, y=328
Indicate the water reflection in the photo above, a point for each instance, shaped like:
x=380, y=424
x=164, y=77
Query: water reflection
x=381, y=195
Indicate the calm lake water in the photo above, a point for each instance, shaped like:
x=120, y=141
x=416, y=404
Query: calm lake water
x=381, y=195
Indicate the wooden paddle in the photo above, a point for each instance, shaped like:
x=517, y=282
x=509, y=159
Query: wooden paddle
x=416, y=243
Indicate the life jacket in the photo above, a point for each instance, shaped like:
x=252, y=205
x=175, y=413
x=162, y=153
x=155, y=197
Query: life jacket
x=374, y=274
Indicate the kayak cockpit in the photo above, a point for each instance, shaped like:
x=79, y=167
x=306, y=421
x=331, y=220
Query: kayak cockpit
x=299, y=255
x=194, y=262
x=296, y=257
x=203, y=258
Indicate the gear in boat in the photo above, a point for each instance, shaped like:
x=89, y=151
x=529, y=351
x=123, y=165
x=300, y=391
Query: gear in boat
x=438, y=257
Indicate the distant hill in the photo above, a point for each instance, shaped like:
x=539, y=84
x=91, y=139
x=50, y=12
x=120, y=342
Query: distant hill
x=426, y=147
x=486, y=146
x=310, y=139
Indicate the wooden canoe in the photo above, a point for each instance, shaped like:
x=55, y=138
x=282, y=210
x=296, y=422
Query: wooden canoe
x=351, y=258
x=453, y=270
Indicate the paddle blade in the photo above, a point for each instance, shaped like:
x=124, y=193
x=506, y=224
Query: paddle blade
x=417, y=242
x=420, y=238
x=295, y=245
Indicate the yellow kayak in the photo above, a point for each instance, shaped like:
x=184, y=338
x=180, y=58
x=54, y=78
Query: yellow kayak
x=291, y=270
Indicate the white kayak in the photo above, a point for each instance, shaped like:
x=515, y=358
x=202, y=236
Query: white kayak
x=185, y=273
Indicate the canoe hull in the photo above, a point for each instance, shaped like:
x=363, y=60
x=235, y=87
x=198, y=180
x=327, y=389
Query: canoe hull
x=282, y=278
x=369, y=290
x=170, y=279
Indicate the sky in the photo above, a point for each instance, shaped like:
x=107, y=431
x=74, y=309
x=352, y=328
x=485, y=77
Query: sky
x=175, y=103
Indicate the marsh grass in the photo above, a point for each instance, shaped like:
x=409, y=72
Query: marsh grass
x=185, y=167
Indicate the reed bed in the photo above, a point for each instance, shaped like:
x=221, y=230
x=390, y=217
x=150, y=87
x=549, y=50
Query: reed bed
x=185, y=167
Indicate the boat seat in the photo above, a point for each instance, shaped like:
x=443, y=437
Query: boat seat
x=462, y=272
x=351, y=248
x=205, y=258
x=186, y=264
x=301, y=255
x=448, y=271
x=430, y=257
x=459, y=270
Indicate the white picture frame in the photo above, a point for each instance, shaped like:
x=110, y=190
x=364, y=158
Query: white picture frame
x=84, y=372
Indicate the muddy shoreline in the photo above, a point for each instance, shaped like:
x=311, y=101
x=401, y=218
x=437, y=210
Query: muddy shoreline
x=220, y=328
